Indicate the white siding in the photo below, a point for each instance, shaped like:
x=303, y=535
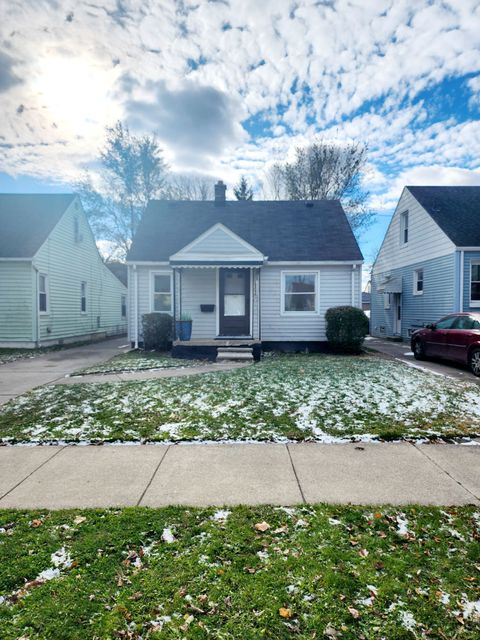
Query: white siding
x=67, y=263
x=16, y=302
x=199, y=286
x=335, y=289
x=425, y=238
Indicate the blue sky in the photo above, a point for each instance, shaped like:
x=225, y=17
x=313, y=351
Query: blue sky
x=230, y=86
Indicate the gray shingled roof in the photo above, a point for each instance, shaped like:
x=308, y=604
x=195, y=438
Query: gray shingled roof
x=456, y=210
x=289, y=231
x=26, y=221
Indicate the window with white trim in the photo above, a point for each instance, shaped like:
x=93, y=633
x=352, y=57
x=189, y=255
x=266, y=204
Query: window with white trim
x=162, y=292
x=404, y=227
x=299, y=292
x=475, y=284
x=386, y=301
x=418, y=282
x=42, y=293
x=83, y=297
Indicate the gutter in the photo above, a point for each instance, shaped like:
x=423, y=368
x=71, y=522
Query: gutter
x=462, y=277
x=36, y=309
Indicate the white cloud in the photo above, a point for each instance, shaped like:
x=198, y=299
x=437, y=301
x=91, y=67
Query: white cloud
x=194, y=71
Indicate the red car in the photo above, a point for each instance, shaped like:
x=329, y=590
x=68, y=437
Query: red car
x=455, y=337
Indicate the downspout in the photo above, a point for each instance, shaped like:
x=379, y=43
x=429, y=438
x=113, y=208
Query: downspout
x=462, y=264
x=135, y=304
x=35, y=306
x=353, y=284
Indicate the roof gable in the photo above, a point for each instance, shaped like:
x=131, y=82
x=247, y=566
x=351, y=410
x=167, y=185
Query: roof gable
x=26, y=221
x=456, y=210
x=291, y=231
x=218, y=244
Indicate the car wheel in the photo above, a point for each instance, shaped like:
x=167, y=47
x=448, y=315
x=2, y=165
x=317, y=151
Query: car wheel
x=418, y=350
x=475, y=362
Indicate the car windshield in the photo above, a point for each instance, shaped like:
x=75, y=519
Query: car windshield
x=446, y=323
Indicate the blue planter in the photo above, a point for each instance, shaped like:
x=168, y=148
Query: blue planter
x=184, y=329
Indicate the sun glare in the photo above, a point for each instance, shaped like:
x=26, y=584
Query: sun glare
x=76, y=92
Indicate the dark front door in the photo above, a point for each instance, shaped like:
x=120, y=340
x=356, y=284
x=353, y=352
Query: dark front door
x=234, y=302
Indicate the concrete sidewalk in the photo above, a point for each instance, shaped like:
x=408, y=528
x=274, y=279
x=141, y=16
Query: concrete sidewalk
x=228, y=474
x=22, y=375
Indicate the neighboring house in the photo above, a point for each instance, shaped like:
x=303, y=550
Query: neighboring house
x=54, y=286
x=366, y=302
x=247, y=272
x=429, y=262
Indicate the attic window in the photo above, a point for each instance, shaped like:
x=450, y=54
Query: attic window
x=404, y=227
x=77, y=236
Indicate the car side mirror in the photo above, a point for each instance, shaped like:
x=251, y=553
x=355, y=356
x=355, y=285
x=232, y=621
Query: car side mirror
x=432, y=326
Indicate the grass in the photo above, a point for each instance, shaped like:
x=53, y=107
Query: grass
x=138, y=361
x=315, y=572
x=296, y=397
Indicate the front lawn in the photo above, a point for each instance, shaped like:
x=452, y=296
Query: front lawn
x=247, y=573
x=289, y=397
x=138, y=361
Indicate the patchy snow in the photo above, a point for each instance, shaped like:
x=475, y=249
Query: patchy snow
x=49, y=574
x=167, y=536
x=402, y=526
x=407, y=620
x=221, y=515
x=61, y=558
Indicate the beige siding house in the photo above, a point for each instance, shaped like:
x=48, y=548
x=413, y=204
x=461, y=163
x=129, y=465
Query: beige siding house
x=248, y=273
x=54, y=286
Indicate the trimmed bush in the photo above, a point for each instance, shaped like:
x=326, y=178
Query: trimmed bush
x=157, y=331
x=346, y=328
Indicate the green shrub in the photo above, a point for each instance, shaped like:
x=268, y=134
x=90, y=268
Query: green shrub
x=346, y=328
x=157, y=331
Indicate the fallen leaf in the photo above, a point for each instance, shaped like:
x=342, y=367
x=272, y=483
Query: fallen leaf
x=363, y=553
x=79, y=519
x=354, y=613
x=331, y=632
x=36, y=523
x=353, y=542
x=377, y=515
x=262, y=526
x=285, y=613
x=283, y=529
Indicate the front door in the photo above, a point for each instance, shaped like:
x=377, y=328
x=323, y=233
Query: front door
x=397, y=310
x=234, y=307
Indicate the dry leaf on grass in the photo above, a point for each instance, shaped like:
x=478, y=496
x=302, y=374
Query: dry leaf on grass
x=285, y=613
x=354, y=613
x=79, y=519
x=262, y=526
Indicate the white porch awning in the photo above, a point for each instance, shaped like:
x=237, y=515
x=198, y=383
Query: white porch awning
x=391, y=285
x=204, y=265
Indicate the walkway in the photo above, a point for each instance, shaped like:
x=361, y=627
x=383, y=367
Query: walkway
x=22, y=375
x=401, y=351
x=228, y=474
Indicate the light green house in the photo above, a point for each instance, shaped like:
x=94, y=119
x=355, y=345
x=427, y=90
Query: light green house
x=54, y=286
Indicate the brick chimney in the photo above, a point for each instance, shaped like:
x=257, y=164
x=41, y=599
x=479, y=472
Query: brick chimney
x=220, y=189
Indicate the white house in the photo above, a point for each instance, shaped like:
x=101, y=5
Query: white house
x=254, y=273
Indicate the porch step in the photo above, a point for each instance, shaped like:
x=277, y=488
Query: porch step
x=234, y=354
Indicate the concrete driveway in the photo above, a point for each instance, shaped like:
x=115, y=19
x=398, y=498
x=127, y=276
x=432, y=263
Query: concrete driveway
x=22, y=375
x=401, y=351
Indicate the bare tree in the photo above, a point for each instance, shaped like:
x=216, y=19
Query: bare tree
x=132, y=171
x=272, y=186
x=186, y=187
x=330, y=171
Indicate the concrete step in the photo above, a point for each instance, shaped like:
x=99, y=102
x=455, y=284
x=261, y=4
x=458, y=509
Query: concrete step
x=234, y=354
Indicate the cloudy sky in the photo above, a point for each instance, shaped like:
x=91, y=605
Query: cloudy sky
x=231, y=85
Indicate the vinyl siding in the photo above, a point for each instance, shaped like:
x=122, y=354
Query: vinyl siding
x=68, y=263
x=193, y=288
x=425, y=238
x=438, y=298
x=469, y=257
x=16, y=301
x=335, y=289
x=218, y=243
